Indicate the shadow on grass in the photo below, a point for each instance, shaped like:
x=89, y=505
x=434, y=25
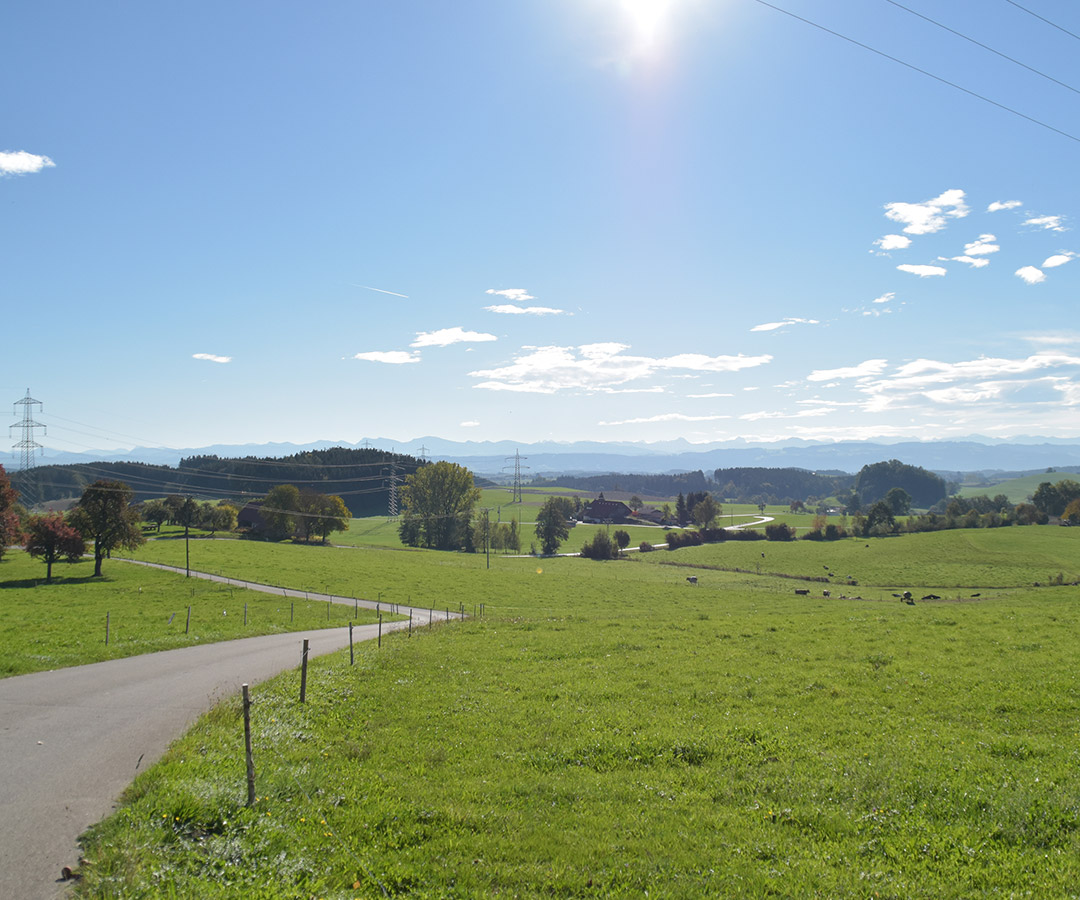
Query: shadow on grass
x=58, y=580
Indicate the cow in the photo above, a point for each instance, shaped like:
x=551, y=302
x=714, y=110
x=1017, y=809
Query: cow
x=801, y=592
x=692, y=579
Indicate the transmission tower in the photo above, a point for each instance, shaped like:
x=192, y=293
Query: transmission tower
x=392, y=509
x=516, y=458
x=27, y=445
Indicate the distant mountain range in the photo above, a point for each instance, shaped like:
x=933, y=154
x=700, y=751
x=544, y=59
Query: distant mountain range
x=493, y=459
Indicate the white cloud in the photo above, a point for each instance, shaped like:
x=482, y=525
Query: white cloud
x=929, y=216
x=597, y=367
x=1031, y=275
x=922, y=271
x=862, y=370
x=444, y=337
x=707, y=396
x=666, y=417
x=1057, y=338
x=893, y=242
x=982, y=246
x=1058, y=259
x=772, y=326
x=392, y=357
x=518, y=295
x=19, y=162
x=885, y=298
x=508, y=310
x=973, y=261
x=998, y=205
x=471, y=424
x=211, y=357
x=779, y=414
x=1048, y=223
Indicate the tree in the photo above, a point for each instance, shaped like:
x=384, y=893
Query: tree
x=156, y=513
x=9, y=517
x=635, y=503
x=438, y=504
x=622, y=539
x=600, y=547
x=51, y=538
x=552, y=523
x=512, y=541
x=1072, y=512
x=706, y=512
x=681, y=514
x=879, y=520
x=875, y=480
x=105, y=516
x=899, y=501
x=219, y=518
x=279, y=511
x=1053, y=498
x=333, y=516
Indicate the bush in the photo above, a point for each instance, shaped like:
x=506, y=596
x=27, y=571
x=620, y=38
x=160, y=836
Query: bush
x=779, y=531
x=600, y=547
x=645, y=547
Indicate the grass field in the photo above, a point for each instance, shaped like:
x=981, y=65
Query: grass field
x=50, y=626
x=1018, y=490
x=607, y=729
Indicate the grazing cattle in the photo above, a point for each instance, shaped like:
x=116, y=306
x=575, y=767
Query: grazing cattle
x=692, y=579
x=825, y=594
x=931, y=597
x=908, y=599
x=801, y=593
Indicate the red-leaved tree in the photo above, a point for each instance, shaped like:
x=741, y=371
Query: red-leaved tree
x=10, y=532
x=51, y=538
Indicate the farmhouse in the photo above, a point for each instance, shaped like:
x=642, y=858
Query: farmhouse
x=601, y=510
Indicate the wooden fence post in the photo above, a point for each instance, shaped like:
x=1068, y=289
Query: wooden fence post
x=106, y=629
x=352, y=660
x=247, y=747
x=380, y=629
x=187, y=627
x=245, y=615
x=303, y=673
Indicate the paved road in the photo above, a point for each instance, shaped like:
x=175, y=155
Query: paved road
x=72, y=739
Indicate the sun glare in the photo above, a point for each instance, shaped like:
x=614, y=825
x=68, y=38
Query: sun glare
x=648, y=18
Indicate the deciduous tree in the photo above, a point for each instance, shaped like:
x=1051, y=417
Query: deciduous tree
x=279, y=511
x=706, y=512
x=9, y=517
x=105, y=516
x=438, y=504
x=552, y=523
x=51, y=538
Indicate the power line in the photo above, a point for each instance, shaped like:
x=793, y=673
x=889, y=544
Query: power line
x=984, y=46
x=1043, y=19
x=915, y=68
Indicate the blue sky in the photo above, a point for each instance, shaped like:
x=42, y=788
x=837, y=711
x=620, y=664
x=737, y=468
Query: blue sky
x=539, y=219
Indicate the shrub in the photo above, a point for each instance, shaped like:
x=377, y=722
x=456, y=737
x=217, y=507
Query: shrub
x=779, y=531
x=645, y=547
x=600, y=547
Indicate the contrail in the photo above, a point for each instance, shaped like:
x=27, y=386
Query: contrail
x=380, y=290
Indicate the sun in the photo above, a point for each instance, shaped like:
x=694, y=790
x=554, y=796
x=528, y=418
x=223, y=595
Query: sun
x=647, y=18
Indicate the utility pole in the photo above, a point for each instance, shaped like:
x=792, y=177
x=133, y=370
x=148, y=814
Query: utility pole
x=487, y=534
x=27, y=445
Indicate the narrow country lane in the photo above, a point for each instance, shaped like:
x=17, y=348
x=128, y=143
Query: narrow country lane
x=72, y=739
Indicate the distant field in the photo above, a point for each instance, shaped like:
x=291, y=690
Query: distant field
x=607, y=729
x=1018, y=490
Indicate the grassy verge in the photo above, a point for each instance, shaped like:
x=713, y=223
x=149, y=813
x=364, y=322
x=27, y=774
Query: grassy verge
x=609, y=730
x=50, y=626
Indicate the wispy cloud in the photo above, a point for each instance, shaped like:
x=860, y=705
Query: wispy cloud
x=780, y=414
x=1058, y=259
x=999, y=205
x=391, y=357
x=707, y=396
x=470, y=424
x=211, y=357
x=929, y=216
x=19, y=162
x=885, y=298
x=598, y=367
x=508, y=310
x=1031, y=275
x=862, y=370
x=976, y=262
x=1048, y=223
x=922, y=271
x=666, y=417
x=518, y=295
x=444, y=337
x=772, y=326
x=893, y=242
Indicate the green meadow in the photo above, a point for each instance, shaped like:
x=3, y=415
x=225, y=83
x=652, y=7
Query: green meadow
x=607, y=729
x=50, y=626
